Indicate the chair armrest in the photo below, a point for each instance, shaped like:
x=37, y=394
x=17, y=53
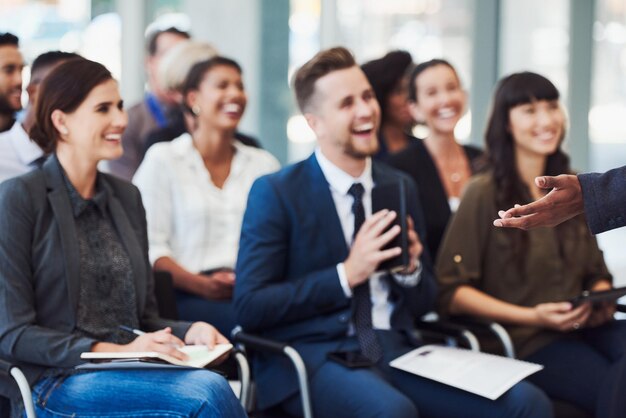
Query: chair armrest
x=446, y=330
x=14, y=371
x=258, y=343
x=478, y=325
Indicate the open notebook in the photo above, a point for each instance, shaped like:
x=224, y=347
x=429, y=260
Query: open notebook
x=199, y=355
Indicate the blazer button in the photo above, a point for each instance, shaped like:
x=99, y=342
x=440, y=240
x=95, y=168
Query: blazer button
x=344, y=318
x=457, y=258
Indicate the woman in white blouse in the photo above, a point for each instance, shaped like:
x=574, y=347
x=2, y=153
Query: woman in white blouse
x=195, y=190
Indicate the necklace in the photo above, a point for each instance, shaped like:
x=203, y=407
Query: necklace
x=455, y=177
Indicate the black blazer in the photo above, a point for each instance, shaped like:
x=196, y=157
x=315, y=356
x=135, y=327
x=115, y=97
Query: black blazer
x=419, y=165
x=39, y=270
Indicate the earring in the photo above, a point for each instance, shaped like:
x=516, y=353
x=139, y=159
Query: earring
x=64, y=130
x=195, y=109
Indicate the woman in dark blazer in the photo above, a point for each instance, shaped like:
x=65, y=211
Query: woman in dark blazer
x=438, y=164
x=74, y=267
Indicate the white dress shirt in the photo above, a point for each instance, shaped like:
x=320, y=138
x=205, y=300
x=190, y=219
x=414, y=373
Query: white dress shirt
x=339, y=182
x=18, y=152
x=189, y=218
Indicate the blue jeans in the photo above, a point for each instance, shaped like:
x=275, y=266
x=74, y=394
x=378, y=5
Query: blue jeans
x=137, y=393
x=385, y=392
x=587, y=369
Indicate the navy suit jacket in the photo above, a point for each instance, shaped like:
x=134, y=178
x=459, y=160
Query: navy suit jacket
x=605, y=199
x=287, y=284
x=40, y=270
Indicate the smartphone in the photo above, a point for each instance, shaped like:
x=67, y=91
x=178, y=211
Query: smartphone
x=595, y=298
x=392, y=196
x=351, y=359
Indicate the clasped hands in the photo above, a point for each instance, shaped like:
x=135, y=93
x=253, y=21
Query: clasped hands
x=366, y=253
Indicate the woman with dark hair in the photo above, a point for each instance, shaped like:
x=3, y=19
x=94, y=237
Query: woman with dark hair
x=195, y=190
x=74, y=267
x=525, y=279
x=389, y=79
x=439, y=165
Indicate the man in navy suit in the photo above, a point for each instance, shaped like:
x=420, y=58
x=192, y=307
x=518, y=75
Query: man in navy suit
x=307, y=269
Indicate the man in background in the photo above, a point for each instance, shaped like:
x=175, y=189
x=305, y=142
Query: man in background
x=18, y=154
x=11, y=65
x=152, y=112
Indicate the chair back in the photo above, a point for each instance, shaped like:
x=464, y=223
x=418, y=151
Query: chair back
x=165, y=295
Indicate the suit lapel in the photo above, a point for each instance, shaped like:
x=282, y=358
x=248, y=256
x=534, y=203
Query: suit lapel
x=62, y=209
x=325, y=211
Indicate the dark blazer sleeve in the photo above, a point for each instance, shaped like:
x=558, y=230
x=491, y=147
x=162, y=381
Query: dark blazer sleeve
x=21, y=339
x=264, y=296
x=605, y=199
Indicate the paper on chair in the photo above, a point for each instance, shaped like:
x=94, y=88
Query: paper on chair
x=199, y=355
x=483, y=374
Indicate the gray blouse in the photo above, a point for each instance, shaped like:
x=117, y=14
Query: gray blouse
x=107, y=290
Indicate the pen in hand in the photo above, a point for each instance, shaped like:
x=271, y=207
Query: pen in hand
x=139, y=332
x=131, y=330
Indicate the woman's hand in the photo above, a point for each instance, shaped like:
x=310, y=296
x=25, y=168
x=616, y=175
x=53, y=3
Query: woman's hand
x=561, y=316
x=218, y=285
x=201, y=333
x=162, y=341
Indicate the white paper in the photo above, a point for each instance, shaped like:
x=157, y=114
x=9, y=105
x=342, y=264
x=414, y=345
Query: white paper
x=483, y=374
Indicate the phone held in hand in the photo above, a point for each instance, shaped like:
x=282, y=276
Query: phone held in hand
x=595, y=298
x=350, y=359
x=392, y=196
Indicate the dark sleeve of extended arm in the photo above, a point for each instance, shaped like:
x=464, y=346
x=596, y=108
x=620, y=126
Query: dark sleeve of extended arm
x=605, y=199
x=264, y=296
x=21, y=338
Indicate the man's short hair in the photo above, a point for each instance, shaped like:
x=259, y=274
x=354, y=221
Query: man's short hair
x=50, y=58
x=9, y=39
x=154, y=36
x=323, y=63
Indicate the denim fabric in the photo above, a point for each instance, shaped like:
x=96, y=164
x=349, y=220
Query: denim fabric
x=137, y=393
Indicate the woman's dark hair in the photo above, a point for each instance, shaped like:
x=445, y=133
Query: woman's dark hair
x=197, y=73
x=385, y=73
x=420, y=68
x=65, y=88
x=512, y=91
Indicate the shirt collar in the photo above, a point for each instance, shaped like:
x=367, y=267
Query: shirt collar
x=341, y=181
x=79, y=205
x=27, y=151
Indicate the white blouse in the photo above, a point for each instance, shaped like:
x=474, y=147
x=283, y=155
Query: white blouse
x=189, y=218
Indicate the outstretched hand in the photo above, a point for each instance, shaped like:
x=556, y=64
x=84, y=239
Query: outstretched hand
x=563, y=202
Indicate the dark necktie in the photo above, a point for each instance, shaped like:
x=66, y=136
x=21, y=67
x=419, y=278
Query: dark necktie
x=368, y=341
